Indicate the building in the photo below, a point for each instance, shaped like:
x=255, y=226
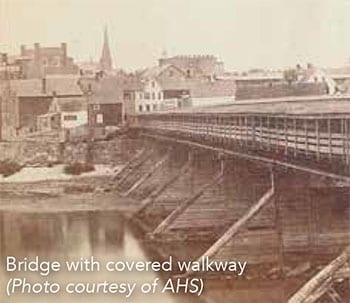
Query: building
x=105, y=105
x=38, y=62
x=307, y=82
x=8, y=111
x=64, y=113
x=210, y=93
x=156, y=88
x=32, y=98
x=167, y=87
x=196, y=66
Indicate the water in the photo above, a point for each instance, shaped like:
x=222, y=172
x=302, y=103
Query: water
x=106, y=236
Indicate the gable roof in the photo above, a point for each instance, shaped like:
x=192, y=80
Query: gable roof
x=155, y=71
x=72, y=104
x=107, y=91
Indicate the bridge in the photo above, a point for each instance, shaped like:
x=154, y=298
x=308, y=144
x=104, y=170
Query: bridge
x=306, y=133
x=260, y=176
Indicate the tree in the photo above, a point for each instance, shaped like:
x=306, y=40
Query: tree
x=290, y=76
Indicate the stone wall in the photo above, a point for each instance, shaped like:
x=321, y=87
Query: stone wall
x=34, y=152
x=114, y=152
x=44, y=152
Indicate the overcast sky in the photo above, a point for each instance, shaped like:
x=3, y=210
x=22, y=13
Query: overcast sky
x=243, y=33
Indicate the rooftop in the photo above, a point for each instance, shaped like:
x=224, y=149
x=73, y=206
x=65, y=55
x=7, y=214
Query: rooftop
x=62, y=85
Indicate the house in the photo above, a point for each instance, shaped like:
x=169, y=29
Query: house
x=195, y=66
x=33, y=98
x=210, y=93
x=167, y=87
x=105, y=105
x=64, y=113
x=155, y=87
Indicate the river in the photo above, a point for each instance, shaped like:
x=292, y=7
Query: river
x=106, y=236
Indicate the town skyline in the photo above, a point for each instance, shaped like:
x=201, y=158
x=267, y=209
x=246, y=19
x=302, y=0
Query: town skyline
x=277, y=33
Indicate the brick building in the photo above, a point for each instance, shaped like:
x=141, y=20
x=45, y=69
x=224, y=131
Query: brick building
x=41, y=61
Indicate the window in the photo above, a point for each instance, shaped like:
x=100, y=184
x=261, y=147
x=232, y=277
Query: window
x=99, y=118
x=70, y=118
x=160, y=95
x=154, y=106
x=148, y=107
x=153, y=96
x=147, y=96
x=153, y=84
x=96, y=107
x=140, y=108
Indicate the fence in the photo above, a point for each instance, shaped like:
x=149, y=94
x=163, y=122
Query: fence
x=315, y=137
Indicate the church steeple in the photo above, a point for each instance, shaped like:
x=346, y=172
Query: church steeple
x=106, y=63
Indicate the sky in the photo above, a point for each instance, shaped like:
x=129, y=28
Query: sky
x=243, y=33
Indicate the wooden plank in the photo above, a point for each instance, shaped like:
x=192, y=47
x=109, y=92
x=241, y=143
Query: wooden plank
x=261, y=131
x=347, y=138
x=147, y=175
x=242, y=222
x=317, y=126
x=295, y=138
x=148, y=156
x=313, y=285
x=306, y=137
x=285, y=136
x=129, y=164
x=269, y=132
x=329, y=131
x=150, y=199
x=181, y=208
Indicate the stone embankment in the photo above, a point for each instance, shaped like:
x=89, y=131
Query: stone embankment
x=42, y=152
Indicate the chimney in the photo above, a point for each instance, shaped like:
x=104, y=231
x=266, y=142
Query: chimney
x=43, y=86
x=23, y=50
x=36, y=52
x=64, y=53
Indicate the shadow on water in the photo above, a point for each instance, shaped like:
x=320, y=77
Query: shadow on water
x=106, y=236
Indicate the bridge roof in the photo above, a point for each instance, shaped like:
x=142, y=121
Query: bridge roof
x=307, y=105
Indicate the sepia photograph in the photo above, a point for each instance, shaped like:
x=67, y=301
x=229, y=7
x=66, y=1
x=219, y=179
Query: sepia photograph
x=175, y=151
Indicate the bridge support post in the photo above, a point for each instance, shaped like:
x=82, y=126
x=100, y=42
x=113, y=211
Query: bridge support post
x=147, y=175
x=150, y=199
x=321, y=282
x=236, y=227
x=180, y=209
x=128, y=164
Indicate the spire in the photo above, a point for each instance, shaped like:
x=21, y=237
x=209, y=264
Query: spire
x=106, y=63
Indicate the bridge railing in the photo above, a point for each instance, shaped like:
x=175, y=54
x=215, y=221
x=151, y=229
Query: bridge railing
x=318, y=137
